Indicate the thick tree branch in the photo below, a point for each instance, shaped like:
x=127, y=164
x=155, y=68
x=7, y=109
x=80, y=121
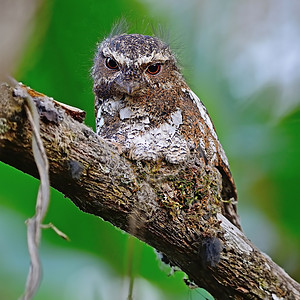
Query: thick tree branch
x=148, y=200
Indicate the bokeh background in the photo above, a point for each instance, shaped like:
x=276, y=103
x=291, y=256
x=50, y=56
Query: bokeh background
x=242, y=58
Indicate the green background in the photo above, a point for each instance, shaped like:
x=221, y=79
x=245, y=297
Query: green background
x=257, y=122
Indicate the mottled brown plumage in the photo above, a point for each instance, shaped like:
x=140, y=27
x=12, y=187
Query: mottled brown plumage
x=143, y=104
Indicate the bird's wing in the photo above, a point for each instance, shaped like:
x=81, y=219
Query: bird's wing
x=213, y=153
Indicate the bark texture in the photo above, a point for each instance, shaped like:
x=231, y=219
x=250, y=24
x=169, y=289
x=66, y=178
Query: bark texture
x=173, y=209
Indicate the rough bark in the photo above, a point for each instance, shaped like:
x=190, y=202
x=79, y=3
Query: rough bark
x=173, y=209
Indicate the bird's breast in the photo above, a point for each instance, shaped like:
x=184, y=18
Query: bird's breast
x=140, y=134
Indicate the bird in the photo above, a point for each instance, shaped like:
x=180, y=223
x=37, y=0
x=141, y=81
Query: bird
x=144, y=105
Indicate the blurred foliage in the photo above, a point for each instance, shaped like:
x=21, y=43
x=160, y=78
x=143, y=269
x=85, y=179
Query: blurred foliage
x=263, y=148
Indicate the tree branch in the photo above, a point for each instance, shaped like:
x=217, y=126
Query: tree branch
x=148, y=200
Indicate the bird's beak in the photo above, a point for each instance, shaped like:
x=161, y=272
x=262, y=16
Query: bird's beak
x=129, y=87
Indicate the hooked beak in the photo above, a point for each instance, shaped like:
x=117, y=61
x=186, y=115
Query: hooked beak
x=127, y=86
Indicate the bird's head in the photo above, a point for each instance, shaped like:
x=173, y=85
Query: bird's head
x=133, y=65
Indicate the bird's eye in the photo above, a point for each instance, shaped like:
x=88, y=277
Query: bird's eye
x=111, y=63
x=153, y=69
